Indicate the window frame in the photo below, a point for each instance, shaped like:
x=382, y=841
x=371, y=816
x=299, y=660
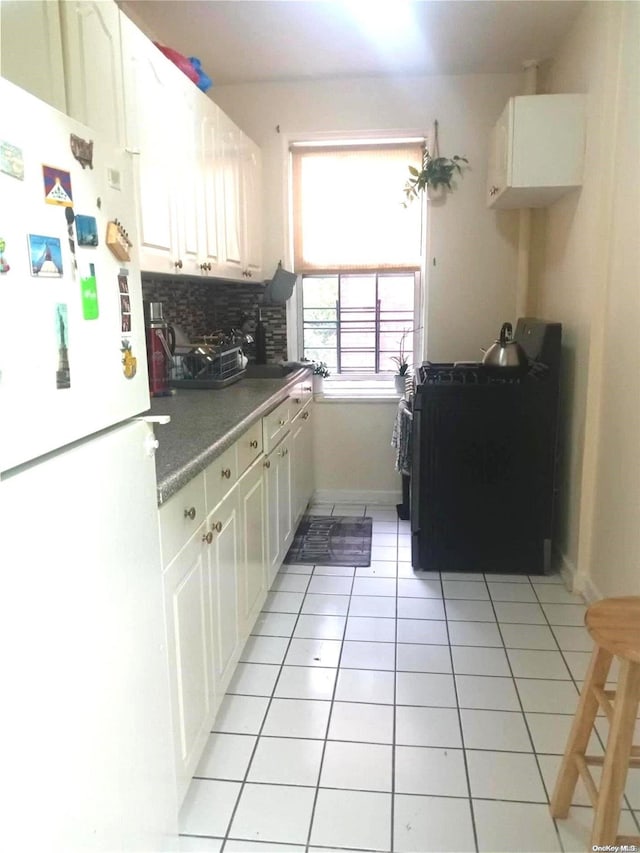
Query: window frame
x=294, y=317
x=416, y=323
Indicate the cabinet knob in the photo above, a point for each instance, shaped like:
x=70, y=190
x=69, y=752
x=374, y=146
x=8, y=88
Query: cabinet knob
x=494, y=191
x=305, y=415
x=203, y=267
x=178, y=264
x=190, y=513
x=307, y=388
x=217, y=527
x=208, y=265
x=267, y=463
x=297, y=401
x=253, y=444
x=226, y=473
x=282, y=422
x=208, y=538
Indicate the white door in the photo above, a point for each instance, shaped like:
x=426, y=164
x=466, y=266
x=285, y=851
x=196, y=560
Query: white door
x=223, y=528
x=31, y=49
x=86, y=707
x=185, y=600
x=151, y=132
x=93, y=65
x=251, y=489
x=70, y=380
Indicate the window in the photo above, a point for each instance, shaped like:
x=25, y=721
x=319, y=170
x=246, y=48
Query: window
x=355, y=322
x=359, y=253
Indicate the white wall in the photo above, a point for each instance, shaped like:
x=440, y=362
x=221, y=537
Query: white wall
x=471, y=288
x=472, y=250
x=587, y=274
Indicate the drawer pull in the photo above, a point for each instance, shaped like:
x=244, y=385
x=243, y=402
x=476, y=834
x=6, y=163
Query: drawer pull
x=297, y=401
x=307, y=388
x=253, y=444
x=283, y=452
x=305, y=415
x=226, y=473
x=178, y=264
x=217, y=527
x=208, y=538
x=267, y=463
x=190, y=513
x=282, y=421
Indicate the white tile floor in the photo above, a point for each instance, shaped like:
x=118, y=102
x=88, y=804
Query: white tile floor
x=379, y=709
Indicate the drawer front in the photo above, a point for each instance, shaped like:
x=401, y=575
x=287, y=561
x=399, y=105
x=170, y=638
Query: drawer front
x=180, y=517
x=300, y=396
x=221, y=476
x=275, y=425
x=249, y=447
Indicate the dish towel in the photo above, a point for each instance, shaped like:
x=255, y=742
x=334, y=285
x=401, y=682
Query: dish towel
x=401, y=437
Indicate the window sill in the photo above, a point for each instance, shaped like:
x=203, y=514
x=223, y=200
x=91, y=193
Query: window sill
x=357, y=391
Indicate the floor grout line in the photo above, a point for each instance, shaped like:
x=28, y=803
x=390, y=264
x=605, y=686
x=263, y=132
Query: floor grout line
x=358, y=624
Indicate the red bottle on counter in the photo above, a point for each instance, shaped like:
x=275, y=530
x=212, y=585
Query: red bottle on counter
x=161, y=341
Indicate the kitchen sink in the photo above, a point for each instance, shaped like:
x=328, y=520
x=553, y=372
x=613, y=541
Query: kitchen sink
x=269, y=371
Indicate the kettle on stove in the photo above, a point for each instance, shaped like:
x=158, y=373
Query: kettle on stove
x=506, y=353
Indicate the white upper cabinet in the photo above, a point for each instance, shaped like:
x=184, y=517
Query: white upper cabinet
x=150, y=131
x=31, y=49
x=209, y=203
x=93, y=65
x=251, y=211
x=229, y=189
x=537, y=151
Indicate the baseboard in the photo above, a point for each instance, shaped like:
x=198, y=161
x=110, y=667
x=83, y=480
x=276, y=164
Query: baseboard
x=576, y=581
x=340, y=496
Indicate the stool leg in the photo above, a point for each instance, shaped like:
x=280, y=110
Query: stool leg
x=580, y=732
x=617, y=754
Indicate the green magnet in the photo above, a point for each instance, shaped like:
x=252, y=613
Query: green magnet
x=89, y=290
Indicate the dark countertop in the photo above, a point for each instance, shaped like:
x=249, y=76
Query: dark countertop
x=204, y=423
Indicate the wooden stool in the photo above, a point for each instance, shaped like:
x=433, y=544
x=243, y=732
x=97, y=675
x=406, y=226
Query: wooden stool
x=614, y=624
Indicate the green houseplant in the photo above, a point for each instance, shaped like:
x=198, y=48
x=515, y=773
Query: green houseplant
x=436, y=173
x=320, y=372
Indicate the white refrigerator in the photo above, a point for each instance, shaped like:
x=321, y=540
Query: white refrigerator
x=87, y=754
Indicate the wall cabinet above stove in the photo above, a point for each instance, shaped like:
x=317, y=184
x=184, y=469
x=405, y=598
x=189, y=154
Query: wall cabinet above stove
x=537, y=151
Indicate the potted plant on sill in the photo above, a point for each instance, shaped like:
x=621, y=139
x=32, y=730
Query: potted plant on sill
x=436, y=174
x=320, y=372
x=400, y=378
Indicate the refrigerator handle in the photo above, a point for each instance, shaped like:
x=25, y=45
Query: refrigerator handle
x=151, y=443
x=154, y=419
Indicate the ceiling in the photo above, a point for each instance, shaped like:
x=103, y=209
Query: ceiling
x=241, y=41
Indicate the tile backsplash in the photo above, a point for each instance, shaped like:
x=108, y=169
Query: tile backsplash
x=201, y=307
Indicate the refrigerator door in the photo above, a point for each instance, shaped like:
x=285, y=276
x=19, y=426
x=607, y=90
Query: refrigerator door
x=86, y=729
x=71, y=321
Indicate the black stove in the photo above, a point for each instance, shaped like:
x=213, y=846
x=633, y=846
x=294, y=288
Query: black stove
x=484, y=460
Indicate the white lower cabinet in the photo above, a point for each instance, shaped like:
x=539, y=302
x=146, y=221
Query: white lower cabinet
x=187, y=625
x=278, y=488
x=301, y=462
x=253, y=546
x=223, y=558
x=222, y=548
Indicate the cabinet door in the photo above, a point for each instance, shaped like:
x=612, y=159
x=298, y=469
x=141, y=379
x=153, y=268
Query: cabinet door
x=497, y=176
x=209, y=207
x=186, y=608
x=301, y=462
x=31, y=49
x=223, y=528
x=93, y=65
x=253, y=546
x=151, y=134
x=279, y=493
x=189, y=167
x=229, y=183
x=251, y=209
